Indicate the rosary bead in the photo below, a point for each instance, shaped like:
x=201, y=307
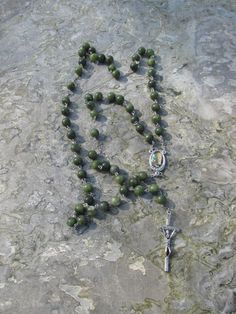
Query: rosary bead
x=93, y=57
x=149, y=138
x=133, y=182
x=129, y=108
x=66, y=101
x=151, y=72
x=94, y=114
x=92, y=50
x=115, y=201
x=104, y=206
x=101, y=58
x=120, y=179
x=141, y=51
x=79, y=70
x=71, y=221
x=75, y=148
x=86, y=46
x=89, y=200
x=149, y=53
x=80, y=209
x=120, y=99
x=155, y=107
x=153, y=188
x=151, y=62
x=116, y=74
x=94, y=133
x=105, y=166
x=139, y=190
x=124, y=190
x=91, y=211
x=134, y=119
x=111, y=67
x=82, y=174
x=82, y=52
x=88, y=97
x=109, y=60
x=161, y=199
x=156, y=118
x=90, y=105
x=82, y=61
x=95, y=164
x=154, y=95
x=92, y=154
x=65, y=111
x=78, y=161
x=71, y=134
x=136, y=57
x=88, y=188
x=159, y=130
x=98, y=96
x=66, y=122
x=81, y=220
x=139, y=128
x=151, y=83
x=71, y=86
x=114, y=170
x=142, y=175
x=111, y=97
x=134, y=66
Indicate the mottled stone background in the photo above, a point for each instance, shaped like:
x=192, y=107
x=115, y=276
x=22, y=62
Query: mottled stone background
x=116, y=267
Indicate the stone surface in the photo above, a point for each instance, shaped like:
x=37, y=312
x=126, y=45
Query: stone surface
x=117, y=265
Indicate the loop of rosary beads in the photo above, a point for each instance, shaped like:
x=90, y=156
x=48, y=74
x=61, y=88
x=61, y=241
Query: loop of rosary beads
x=137, y=184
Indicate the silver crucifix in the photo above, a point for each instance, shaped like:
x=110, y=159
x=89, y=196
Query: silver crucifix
x=168, y=231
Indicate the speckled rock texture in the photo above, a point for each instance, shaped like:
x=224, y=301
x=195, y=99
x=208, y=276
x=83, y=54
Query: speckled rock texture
x=116, y=266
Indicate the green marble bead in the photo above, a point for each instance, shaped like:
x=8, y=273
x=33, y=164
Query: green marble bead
x=124, y=190
x=115, y=201
x=104, y=206
x=149, y=53
x=88, y=97
x=98, y=96
x=154, y=95
x=81, y=220
x=94, y=133
x=82, y=174
x=139, y=128
x=71, y=86
x=116, y=74
x=75, y=148
x=142, y=51
x=66, y=122
x=134, y=66
x=109, y=60
x=66, y=100
x=71, y=134
x=129, y=108
x=79, y=70
x=153, y=188
x=161, y=199
x=88, y=188
x=111, y=97
x=120, y=99
x=78, y=161
x=120, y=179
x=139, y=190
x=71, y=221
x=80, y=209
x=155, y=107
x=93, y=57
x=92, y=154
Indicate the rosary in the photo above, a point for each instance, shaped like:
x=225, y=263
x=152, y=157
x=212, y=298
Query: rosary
x=137, y=184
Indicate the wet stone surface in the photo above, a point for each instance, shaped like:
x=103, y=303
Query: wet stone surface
x=117, y=265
